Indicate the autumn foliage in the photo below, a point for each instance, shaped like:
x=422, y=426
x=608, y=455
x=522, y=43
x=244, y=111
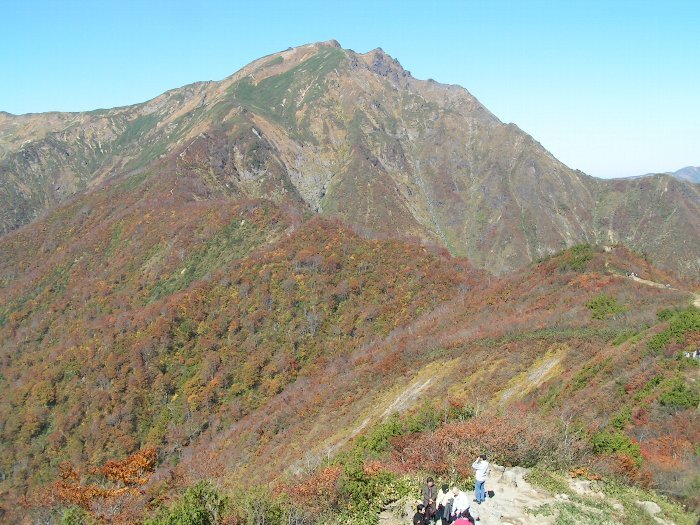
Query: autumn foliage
x=240, y=334
x=115, y=481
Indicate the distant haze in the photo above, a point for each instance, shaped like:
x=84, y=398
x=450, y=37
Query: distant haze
x=690, y=173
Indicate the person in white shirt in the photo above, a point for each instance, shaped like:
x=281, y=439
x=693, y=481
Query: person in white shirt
x=481, y=468
x=460, y=505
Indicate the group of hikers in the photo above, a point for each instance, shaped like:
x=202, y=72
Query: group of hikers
x=451, y=506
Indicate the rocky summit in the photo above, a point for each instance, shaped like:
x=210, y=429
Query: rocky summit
x=354, y=136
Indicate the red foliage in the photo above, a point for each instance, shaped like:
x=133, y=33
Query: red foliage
x=119, y=479
x=318, y=489
x=520, y=437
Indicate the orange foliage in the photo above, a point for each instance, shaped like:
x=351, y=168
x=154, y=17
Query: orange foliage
x=319, y=487
x=624, y=466
x=120, y=478
x=584, y=472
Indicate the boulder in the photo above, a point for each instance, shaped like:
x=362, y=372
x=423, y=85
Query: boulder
x=651, y=507
x=514, y=476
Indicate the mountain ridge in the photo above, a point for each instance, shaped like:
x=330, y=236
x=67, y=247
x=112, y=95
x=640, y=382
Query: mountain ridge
x=347, y=134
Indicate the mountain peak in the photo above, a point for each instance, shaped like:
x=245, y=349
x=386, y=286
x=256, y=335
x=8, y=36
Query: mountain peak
x=331, y=43
x=383, y=64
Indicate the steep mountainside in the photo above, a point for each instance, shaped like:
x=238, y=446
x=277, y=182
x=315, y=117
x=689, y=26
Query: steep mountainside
x=355, y=136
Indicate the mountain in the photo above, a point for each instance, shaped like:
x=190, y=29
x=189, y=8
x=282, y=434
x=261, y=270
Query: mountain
x=353, y=136
x=256, y=281
x=689, y=173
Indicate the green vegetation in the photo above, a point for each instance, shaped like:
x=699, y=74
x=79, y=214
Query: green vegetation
x=580, y=512
x=363, y=494
x=616, y=442
x=425, y=419
x=273, y=62
x=648, y=388
x=136, y=128
x=632, y=335
x=680, y=395
x=622, y=418
x=588, y=372
x=232, y=242
x=277, y=97
x=76, y=516
x=628, y=496
x=131, y=182
x=549, y=481
x=604, y=306
x=590, y=509
x=681, y=322
x=201, y=504
x=576, y=258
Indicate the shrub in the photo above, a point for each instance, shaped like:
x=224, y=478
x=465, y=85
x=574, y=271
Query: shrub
x=584, y=376
x=76, y=516
x=604, y=306
x=616, y=442
x=378, y=439
x=426, y=418
x=200, y=505
x=621, y=419
x=577, y=258
x=680, y=395
x=365, y=488
x=681, y=322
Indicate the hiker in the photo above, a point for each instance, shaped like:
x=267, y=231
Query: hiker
x=429, y=498
x=443, y=504
x=419, y=517
x=481, y=467
x=460, y=505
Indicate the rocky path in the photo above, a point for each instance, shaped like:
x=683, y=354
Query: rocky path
x=649, y=283
x=515, y=501
x=696, y=297
x=513, y=496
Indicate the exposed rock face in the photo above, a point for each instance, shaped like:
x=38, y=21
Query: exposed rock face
x=356, y=136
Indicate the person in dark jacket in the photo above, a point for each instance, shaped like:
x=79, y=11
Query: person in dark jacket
x=419, y=517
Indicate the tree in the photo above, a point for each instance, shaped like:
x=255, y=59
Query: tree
x=116, y=481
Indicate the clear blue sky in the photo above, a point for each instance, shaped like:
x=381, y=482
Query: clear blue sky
x=609, y=87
